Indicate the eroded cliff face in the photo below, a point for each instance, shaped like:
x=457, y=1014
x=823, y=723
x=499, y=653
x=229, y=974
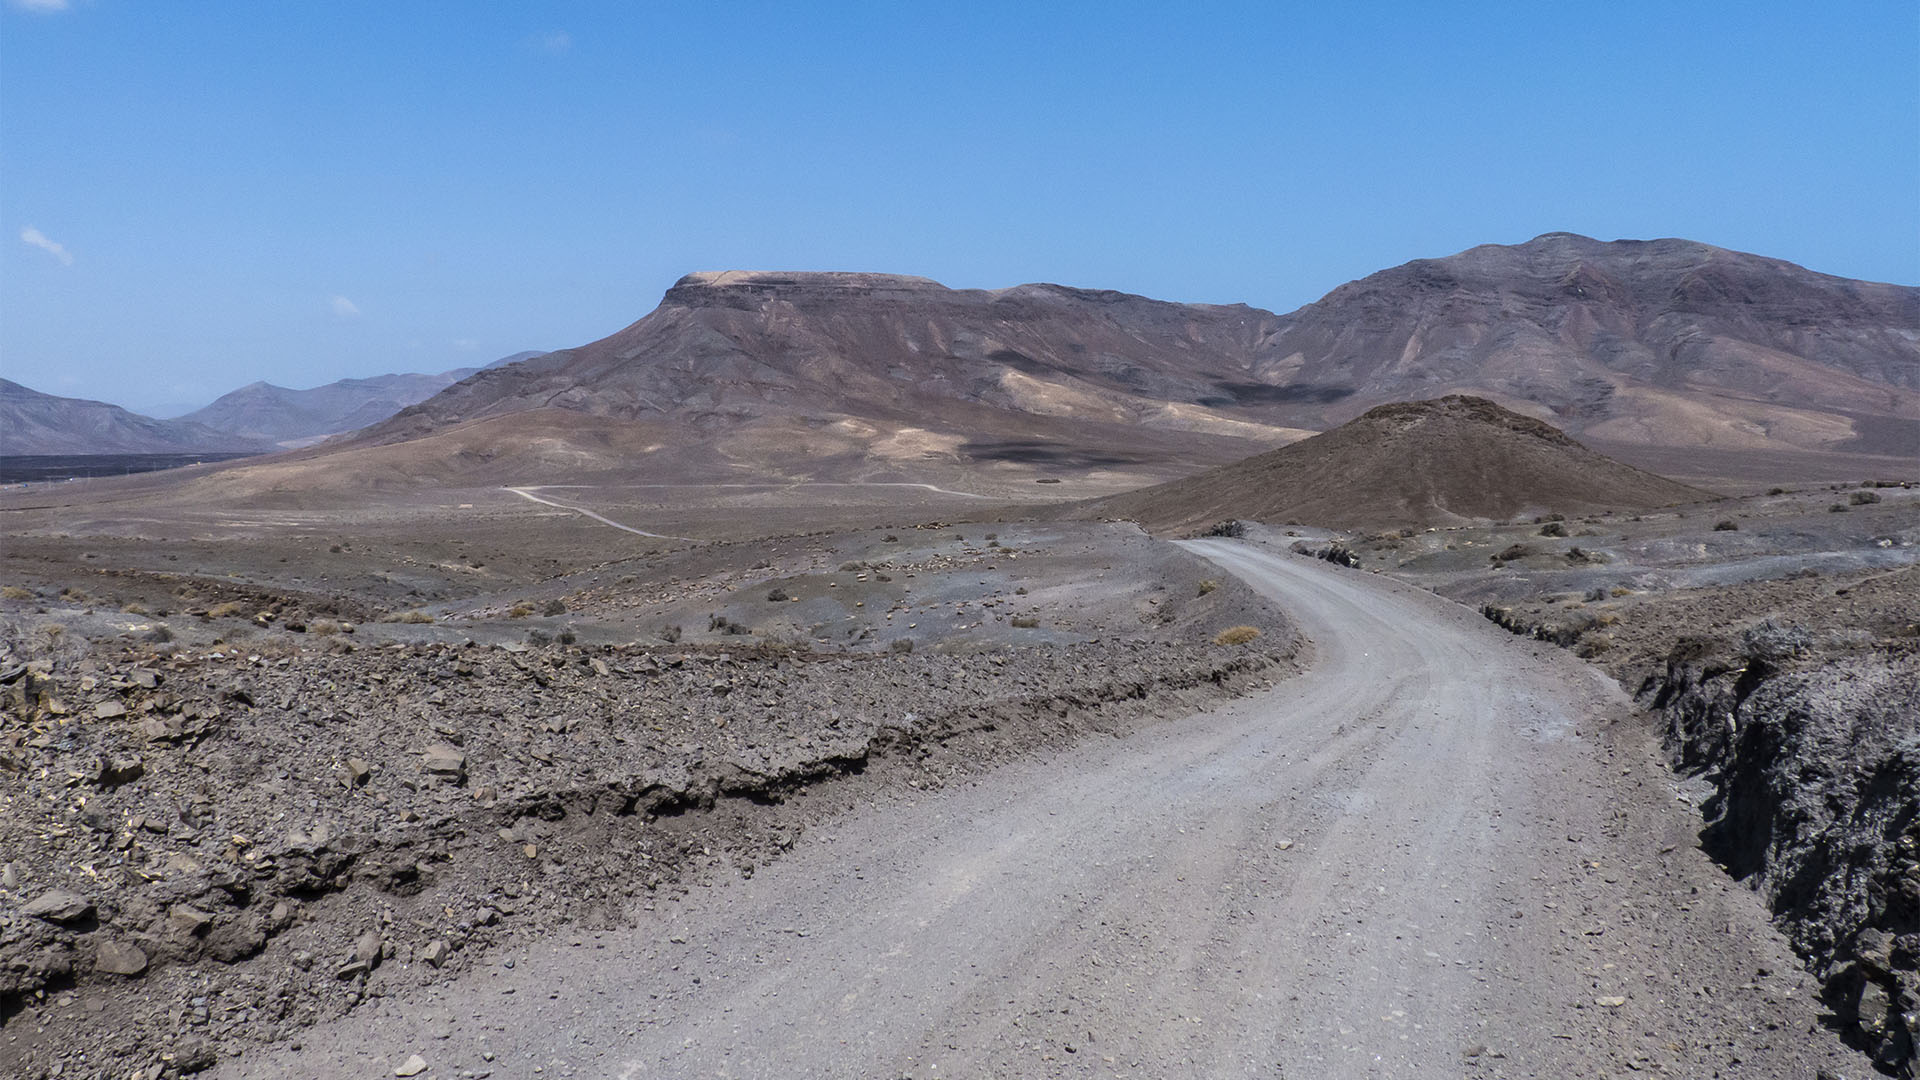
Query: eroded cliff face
x=1815, y=765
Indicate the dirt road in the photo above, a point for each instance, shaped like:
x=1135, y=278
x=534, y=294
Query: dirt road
x=1421, y=858
x=528, y=494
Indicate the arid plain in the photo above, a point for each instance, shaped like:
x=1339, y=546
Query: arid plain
x=811, y=679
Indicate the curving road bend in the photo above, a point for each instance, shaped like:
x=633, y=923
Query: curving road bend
x=1417, y=859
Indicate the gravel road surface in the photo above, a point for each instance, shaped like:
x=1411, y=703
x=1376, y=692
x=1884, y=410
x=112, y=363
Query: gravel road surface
x=1442, y=851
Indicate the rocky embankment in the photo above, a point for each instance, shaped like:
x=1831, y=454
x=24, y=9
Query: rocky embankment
x=1815, y=767
x=206, y=849
x=1797, y=702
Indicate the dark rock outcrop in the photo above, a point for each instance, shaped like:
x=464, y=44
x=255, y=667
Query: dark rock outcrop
x=1816, y=772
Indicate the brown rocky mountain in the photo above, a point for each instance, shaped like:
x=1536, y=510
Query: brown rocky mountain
x=1630, y=345
x=1673, y=355
x=35, y=423
x=875, y=372
x=1442, y=462
x=1637, y=346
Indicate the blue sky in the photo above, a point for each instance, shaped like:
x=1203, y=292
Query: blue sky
x=194, y=196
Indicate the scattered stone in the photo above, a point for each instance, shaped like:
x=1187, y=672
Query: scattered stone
x=1610, y=1002
x=190, y=1056
x=59, y=906
x=445, y=760
x=436, y=952
x=145, y=678
x=117, y=771
x=413, y=1066
x=119, y=958
x=367, y=948
x=109, y=710
x=357, y=772
x=189, y=919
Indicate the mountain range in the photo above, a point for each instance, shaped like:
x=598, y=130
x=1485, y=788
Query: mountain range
x=291, y=418
x=1642, y=347
x=1653, y=351
x=258, y=418
x=35, y=423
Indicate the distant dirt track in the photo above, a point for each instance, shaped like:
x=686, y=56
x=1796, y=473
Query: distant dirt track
x=528, y=493
x=1415, y=860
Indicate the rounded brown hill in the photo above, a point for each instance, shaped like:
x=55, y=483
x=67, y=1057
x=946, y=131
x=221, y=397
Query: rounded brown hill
x=1439, y=462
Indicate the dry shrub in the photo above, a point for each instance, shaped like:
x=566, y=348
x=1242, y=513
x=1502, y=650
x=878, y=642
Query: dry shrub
x=15, y=592
x=520, y=611
x=323, y=627
x=1236, y=635
x=406, y=617
x=1864, y=498
x=1726, y=525
x=1025, y=622
x=1207, y=585
x=226, y=610
x=134, y=607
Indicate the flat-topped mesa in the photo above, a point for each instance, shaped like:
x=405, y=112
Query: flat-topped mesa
x=751, y=288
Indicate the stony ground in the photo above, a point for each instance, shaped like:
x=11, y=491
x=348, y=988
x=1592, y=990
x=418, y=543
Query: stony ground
x=233, y=804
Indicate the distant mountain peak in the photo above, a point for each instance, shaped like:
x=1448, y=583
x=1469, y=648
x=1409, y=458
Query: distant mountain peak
x=35, y=423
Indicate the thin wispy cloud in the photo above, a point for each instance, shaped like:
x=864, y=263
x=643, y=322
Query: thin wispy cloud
x=343, y=307
x=33, y=237
x=39, y=7
x=553, y=42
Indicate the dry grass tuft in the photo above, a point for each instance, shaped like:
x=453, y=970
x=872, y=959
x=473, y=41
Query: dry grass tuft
x=1236, y=635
